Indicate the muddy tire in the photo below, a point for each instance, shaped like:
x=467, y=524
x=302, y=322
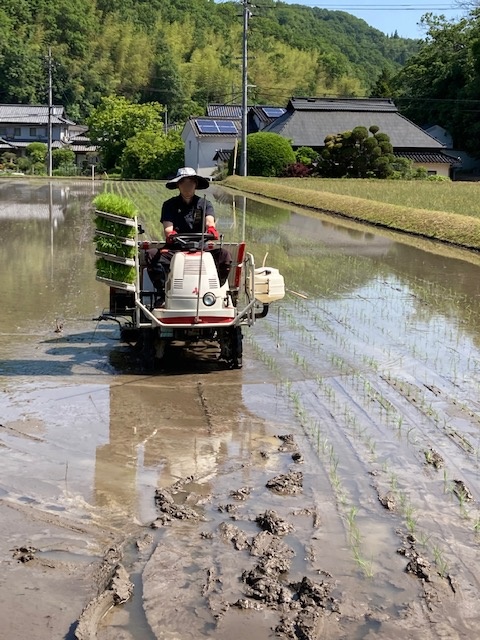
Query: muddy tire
x=231, y=347
x=130, y=335
x=147, y=350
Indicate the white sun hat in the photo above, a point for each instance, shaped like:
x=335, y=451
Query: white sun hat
x=188, y=172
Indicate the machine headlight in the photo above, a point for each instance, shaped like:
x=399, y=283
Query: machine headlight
x=209, y=299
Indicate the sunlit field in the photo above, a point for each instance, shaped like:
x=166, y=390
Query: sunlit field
x=438, y=210
x=454, y=197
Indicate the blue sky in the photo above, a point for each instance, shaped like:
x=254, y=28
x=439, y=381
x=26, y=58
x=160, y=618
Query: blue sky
x=390, y=15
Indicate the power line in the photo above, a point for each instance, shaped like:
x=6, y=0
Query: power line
x=315, y=3
x=358, y=8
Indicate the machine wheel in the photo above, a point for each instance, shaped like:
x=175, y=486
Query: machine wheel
x=231, y=347
x=147, y=350
x=153, y=350
x=130, y=335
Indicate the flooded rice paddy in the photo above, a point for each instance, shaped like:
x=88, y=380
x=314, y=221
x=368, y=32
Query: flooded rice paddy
x=328, y=490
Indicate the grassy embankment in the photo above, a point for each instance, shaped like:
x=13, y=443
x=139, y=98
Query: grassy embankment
x=445, y=211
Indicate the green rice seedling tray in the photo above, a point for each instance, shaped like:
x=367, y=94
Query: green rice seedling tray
x=130, y=262
x=128, y=222
x=117, y=284
x=129, y=242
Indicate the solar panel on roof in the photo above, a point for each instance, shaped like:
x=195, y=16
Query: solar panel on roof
x=206, y=126
x=273, y=112
x=226, y=126
x=216, y=126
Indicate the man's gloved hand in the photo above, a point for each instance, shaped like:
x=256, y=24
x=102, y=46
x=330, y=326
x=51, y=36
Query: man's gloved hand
x=211, y=231
x=170, y=239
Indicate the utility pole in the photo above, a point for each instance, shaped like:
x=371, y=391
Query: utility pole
x=50, y=108
x=243, y=158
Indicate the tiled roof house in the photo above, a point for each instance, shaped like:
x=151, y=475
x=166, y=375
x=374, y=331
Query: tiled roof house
x=22, y=124
x=308, y=121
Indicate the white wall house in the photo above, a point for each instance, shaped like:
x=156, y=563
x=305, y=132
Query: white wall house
x=204, y=137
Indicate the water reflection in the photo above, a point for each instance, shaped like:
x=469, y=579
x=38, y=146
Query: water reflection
x=46, y=263
x=155, y=442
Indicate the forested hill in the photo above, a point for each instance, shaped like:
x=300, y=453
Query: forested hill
x=186, y=53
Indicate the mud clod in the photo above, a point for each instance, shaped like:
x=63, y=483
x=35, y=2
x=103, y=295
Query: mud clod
x=289, y=483
x=24, y=554
x=241, y=494
x=271, y=521
x=388, y=501
x=244, y=603
x=288, y=443
x=434, y=458
x=419, y=567
x=120, y=586
x=228, y=508
x=265, y=588
x=165, y=503
x=266, y=544
x=231, y=533
x=144, y=543
x=309, y=592
x=309, y=601
x=206, y=535
x=461, y=490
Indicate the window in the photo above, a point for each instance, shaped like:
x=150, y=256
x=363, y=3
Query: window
x=17, y=132
x=3, y=131
x=33, y=132
x=431, y=172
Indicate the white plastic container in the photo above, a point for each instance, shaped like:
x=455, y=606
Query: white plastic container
x=269, y=285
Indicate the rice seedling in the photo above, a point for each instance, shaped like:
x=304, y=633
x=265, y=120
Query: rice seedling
x=411, y=521
x=440, y=562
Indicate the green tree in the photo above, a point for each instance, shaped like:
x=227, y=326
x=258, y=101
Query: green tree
x=8, y=159
x=183, y=53
x=152, y=155
x=117, y=120
x=441, y=83
x=383, y=86
x=356, y=154
x=268, y=154
x=306, y=155
x=63, y=156
x=37, y=152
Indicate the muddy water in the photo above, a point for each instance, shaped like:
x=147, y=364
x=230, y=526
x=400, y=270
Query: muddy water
x=372, y=366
